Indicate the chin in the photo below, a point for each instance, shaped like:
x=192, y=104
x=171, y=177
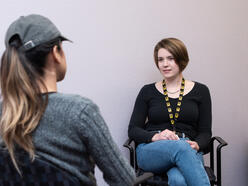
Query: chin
x=60, y=78
x=167, y=76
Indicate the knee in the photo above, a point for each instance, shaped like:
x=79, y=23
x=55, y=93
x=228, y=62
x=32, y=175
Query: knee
x=183, y=147
x=176, y=180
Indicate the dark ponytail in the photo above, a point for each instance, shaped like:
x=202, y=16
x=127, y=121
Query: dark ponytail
x=21, y=90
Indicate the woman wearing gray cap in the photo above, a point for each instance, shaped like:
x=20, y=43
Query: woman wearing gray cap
x=66, y=130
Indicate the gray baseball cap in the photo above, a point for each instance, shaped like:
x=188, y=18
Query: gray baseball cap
x=33, y=30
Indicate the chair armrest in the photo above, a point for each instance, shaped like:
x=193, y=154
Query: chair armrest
x=143, y=178
x=128, y=145
x=131, y=149
x=220, y=140
x=221, y=144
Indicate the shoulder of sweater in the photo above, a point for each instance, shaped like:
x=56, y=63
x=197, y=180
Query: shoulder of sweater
x=201, y=86
x=72, y=100
x=146, y=90
x=148, y=87
x=201, y=89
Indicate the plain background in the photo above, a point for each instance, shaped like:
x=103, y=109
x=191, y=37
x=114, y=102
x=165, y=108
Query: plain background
x=111, y=58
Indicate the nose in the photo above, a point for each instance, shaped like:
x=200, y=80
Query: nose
x=165, y=62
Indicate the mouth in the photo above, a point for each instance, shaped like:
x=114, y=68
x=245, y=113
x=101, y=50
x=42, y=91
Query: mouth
x=166, y=71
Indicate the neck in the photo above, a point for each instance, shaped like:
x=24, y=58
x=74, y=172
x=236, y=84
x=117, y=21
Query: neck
x=174, y=82
x=50, y=81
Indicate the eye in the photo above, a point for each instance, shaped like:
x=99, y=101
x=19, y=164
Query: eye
x=170, y=58
x=160, y=59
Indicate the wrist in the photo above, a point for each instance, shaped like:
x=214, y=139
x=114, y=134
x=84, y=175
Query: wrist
x=154, y=138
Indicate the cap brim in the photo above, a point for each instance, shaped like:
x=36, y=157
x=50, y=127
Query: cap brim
x=65, y=39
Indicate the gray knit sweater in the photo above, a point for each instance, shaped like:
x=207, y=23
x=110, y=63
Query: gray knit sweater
x=73, y=135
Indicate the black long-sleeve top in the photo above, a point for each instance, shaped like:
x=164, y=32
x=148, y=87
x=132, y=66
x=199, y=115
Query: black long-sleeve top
x=150, y=115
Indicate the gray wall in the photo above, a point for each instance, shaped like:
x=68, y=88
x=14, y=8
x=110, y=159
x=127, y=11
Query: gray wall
x=111, y=58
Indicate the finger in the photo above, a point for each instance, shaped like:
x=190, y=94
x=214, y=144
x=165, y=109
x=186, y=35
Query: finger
x=168, y=131
x=170, y=137
x=163, y=136
x=194, y=147
x=193, y=144
x=190, y=142
x=175, y=137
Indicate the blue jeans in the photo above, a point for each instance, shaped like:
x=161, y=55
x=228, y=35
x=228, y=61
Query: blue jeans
x=184, y=165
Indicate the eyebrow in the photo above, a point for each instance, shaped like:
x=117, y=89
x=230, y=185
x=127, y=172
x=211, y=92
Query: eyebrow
x=170, y=56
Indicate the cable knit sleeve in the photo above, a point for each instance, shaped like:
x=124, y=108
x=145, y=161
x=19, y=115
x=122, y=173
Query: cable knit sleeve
x=116, y=170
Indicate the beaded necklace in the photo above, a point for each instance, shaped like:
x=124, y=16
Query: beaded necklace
x=173, y=118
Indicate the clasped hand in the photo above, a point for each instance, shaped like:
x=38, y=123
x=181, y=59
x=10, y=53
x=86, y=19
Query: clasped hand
x=165, y=135
x=170, y=135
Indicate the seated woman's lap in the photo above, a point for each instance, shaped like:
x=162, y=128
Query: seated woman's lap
x=160, y=156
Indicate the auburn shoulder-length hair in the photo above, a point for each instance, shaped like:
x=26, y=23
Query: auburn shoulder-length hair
x=176, y=48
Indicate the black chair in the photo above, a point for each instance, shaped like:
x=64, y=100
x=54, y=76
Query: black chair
x=34, y=173
x=162, y=180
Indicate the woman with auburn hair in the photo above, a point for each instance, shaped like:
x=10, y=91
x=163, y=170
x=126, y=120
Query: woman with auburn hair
x=171, y=120
x=66, y=130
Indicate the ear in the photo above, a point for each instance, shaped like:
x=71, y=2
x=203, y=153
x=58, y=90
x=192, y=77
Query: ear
x=57, y=55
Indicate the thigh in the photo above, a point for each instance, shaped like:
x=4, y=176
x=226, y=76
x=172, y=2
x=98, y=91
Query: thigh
x=175, y=177
x=158, y=157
